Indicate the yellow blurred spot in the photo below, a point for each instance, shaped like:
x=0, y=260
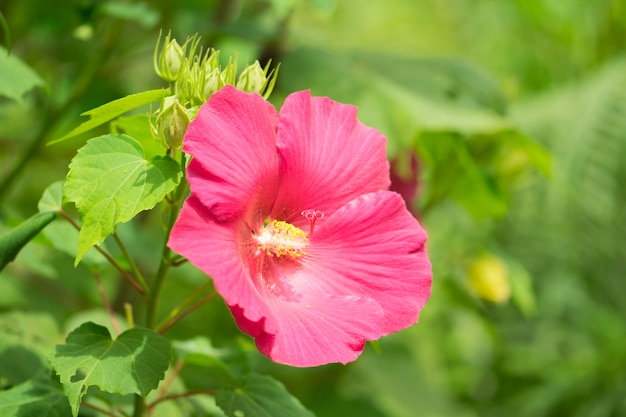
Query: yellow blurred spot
x=489, y=279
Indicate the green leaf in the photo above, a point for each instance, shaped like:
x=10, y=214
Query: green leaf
x=260, y=396
x=136, y=126
x=111, y=110
x=6, y=31
x=14, y=240
x=61, y=235
x=207, y=367
x=110, y=181
x=52, y=198
x=16, y=78
x=39, y=397
x=452, y=172
x=26, y=342
x=134, y=363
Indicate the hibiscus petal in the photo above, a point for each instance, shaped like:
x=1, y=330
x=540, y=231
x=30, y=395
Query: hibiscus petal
x=215, y=248
x=316, y=330
x=371, y=248
x=303, y=330
x=234, y=171
x=327, y=156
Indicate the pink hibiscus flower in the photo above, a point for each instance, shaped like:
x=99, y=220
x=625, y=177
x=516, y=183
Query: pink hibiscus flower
x=290, y=216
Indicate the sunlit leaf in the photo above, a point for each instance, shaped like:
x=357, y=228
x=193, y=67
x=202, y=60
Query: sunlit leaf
x=61, y=235
x=52, y=198
x=134, y=363
x=16, y=78
x=39, y=397
x=110, y=181
x=260, y=396
x=209, y=366
x=14, y=240
x=111, y=110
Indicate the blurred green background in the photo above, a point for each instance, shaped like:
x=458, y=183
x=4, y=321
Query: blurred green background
x=507, y=118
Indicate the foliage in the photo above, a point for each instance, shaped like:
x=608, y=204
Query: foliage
x=133, y=363
x=515, y=113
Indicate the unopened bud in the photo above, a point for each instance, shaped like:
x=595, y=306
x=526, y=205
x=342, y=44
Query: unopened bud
x=213, y=83
x=170, y=59
x=172, y=125
x=252, y=79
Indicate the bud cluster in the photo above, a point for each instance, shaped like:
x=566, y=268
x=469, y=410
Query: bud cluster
x=194, y=76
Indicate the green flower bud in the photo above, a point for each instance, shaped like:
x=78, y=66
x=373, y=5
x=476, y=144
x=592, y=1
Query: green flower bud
x=170, y=60
x=253, y=79
x=174, y=56
x=172, y=125
x=212, y=83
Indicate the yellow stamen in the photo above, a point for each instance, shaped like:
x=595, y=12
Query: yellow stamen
x=280, y=238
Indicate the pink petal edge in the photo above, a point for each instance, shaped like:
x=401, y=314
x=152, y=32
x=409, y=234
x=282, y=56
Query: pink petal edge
x=373, y=248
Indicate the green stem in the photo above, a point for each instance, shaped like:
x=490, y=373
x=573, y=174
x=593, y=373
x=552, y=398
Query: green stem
x=140, y=406
x=108, y=257
x=163, y=329
x=187, y=301
x=176, y=198
x=157, y=285
x=106, y=302
x=187, y=394
x=131, y=262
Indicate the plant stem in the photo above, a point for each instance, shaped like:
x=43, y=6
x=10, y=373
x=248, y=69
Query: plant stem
x=98, y=409
x=185, y=312
x=166, y=385
x=132, y=263
x=105, y=300
x=176, y=310
x=140, y=406
x=184, y=395
x=176, y=198
x=159, y=279
x=108, y=257
x=128, y=312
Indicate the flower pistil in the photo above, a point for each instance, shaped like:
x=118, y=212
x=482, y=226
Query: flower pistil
x=280, y=238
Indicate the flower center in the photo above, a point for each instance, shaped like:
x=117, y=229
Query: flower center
x=280, y=238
